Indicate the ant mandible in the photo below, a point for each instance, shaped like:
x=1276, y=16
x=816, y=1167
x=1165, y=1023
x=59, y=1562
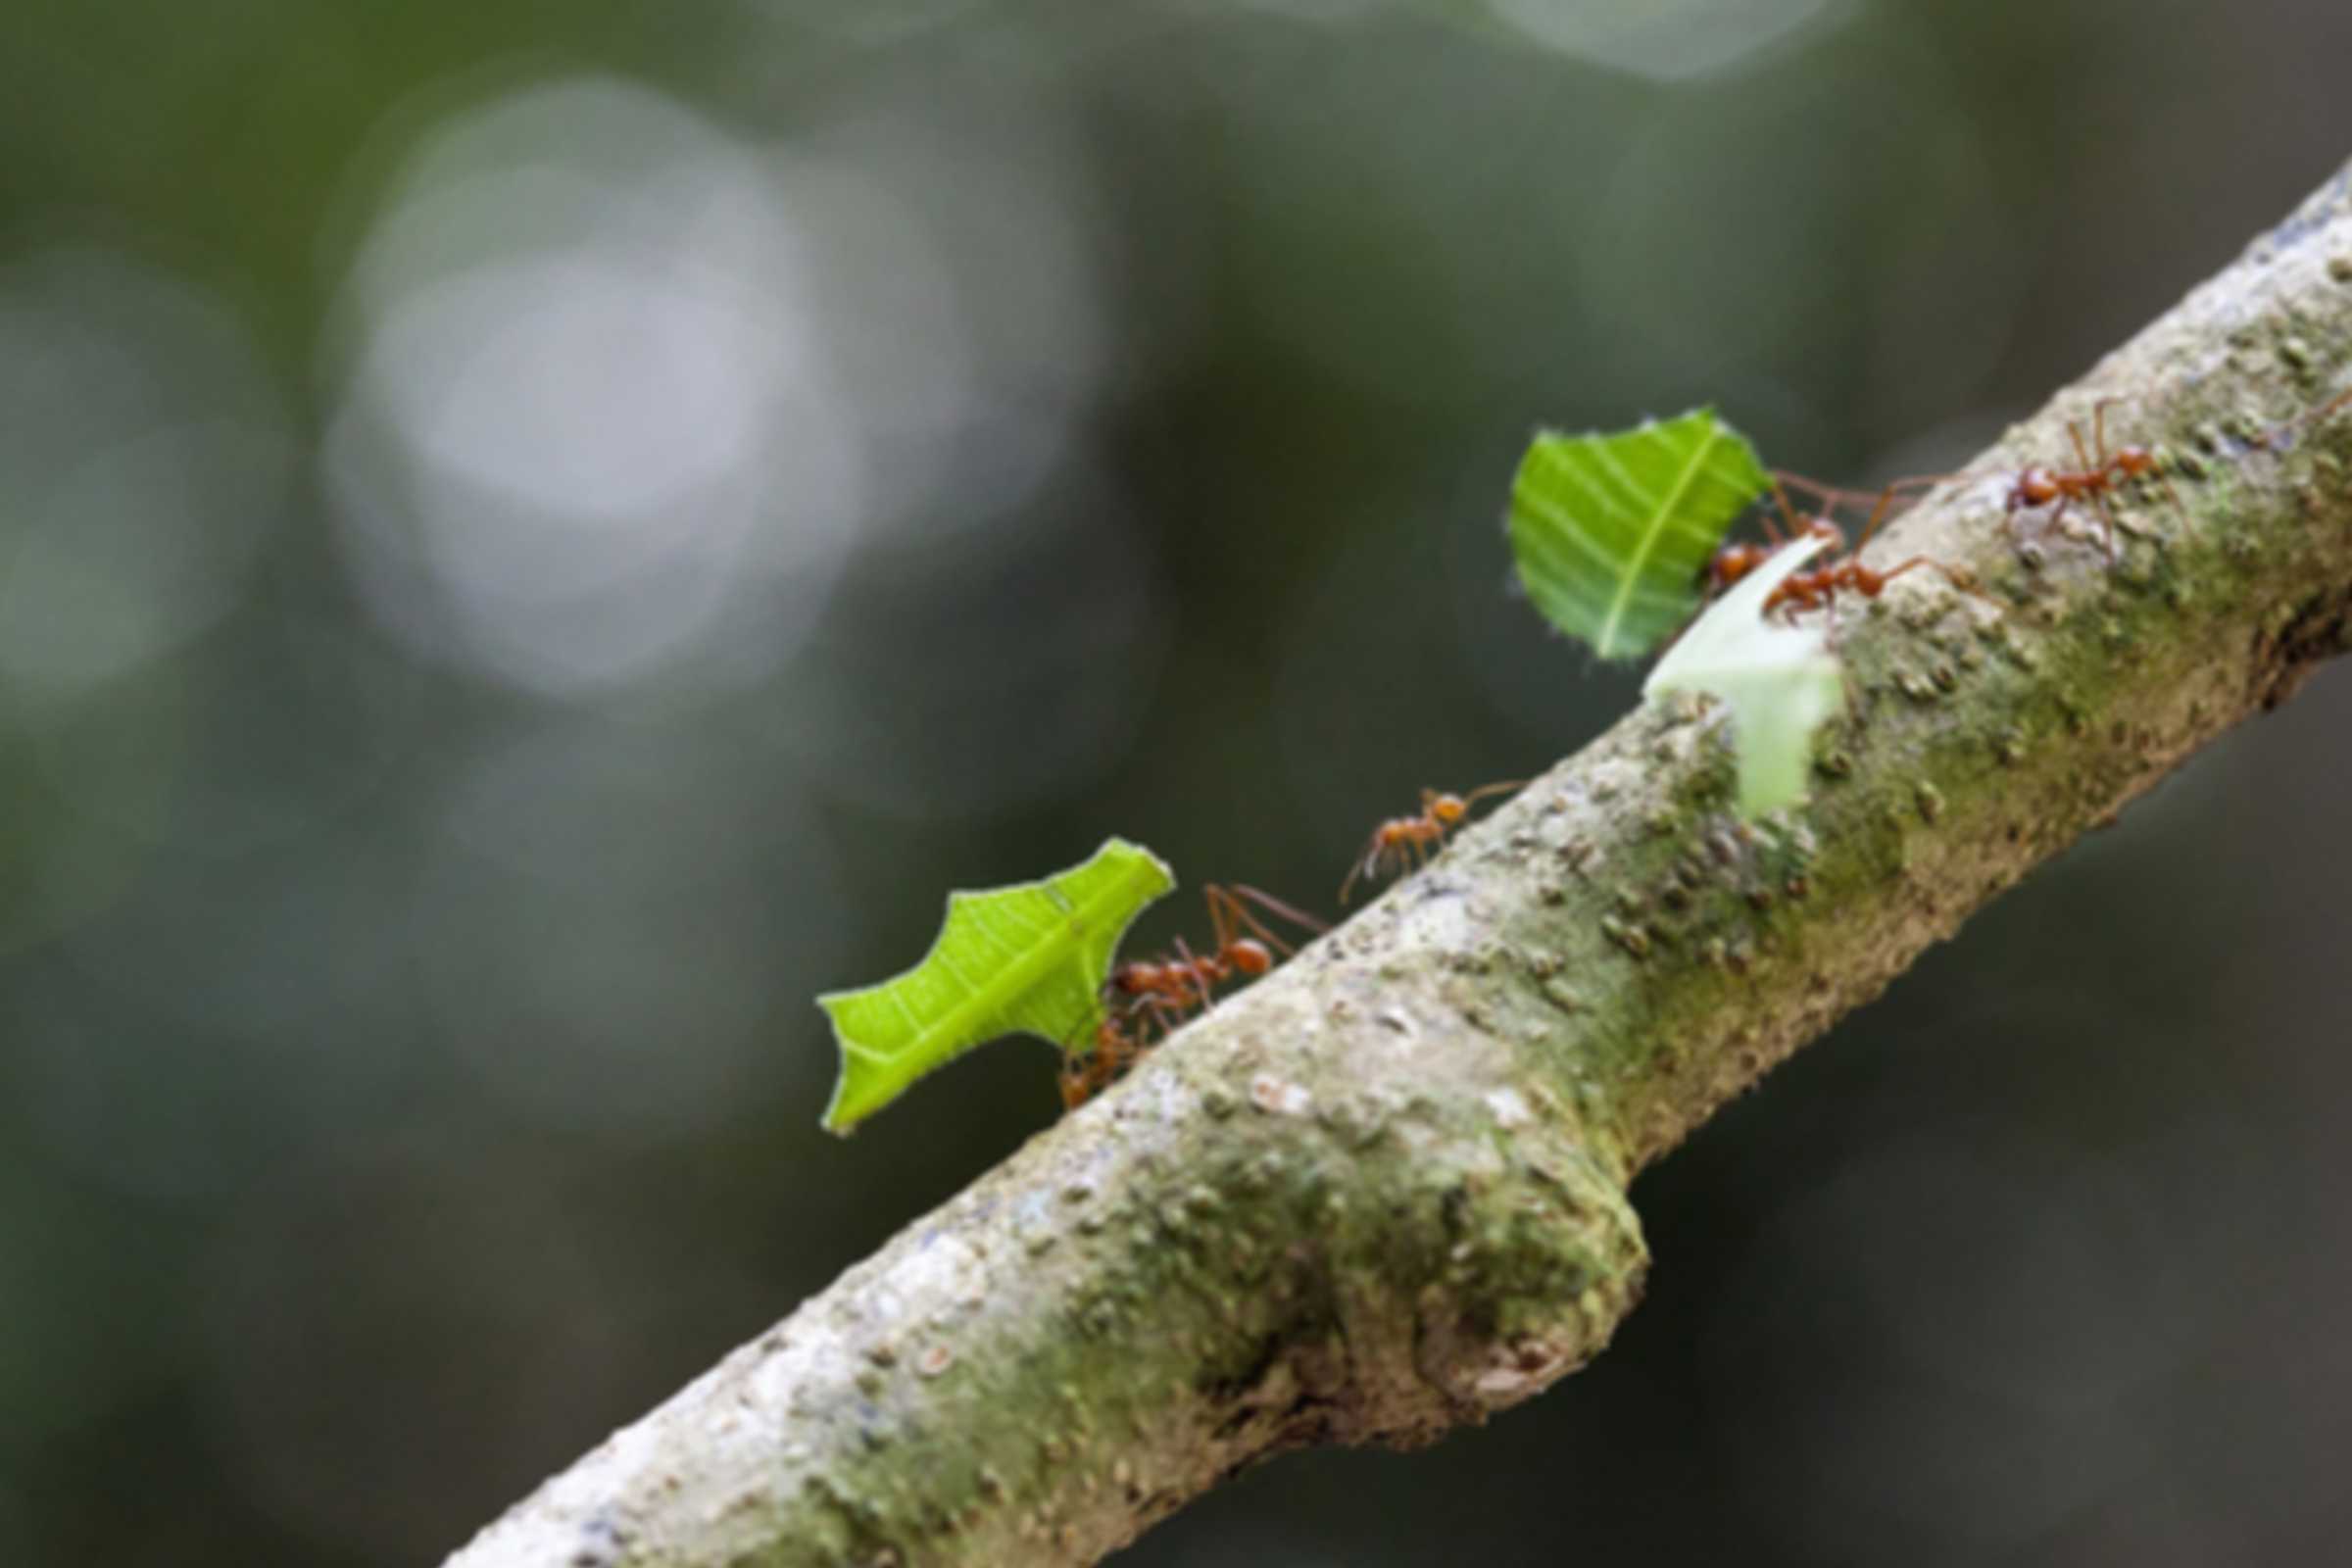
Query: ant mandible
x=2101, y=471
x=1244, y=946
x=1400, y=837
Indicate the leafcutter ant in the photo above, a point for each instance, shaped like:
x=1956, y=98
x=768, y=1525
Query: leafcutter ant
x=1841, y=571
x=1402, y=838
x=1156, y=993
x=1244, y=946
x=2101, y=471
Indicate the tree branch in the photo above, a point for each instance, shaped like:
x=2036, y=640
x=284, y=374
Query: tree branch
x=1382, y=1193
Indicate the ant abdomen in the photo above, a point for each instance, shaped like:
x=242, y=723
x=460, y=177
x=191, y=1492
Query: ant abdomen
x=2034, y=487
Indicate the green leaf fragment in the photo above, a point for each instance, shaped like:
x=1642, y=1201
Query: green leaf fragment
x=1778, y=681
x=1612, y=531
x=1029, y=958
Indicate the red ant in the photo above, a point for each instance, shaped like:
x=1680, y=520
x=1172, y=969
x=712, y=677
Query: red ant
x=2038, y=486
x=1163, y=990
x=1245, y=946
x=1842, y=571
x=1402, y=836
x=1734, y=561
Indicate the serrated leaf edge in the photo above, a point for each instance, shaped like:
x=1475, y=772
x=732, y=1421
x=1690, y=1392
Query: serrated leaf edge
x=992, y=995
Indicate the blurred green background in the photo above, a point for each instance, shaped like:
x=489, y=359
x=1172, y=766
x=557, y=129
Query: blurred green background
x=534, y=538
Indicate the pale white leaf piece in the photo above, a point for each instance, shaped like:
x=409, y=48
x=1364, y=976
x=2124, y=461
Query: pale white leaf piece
x=1778, y=681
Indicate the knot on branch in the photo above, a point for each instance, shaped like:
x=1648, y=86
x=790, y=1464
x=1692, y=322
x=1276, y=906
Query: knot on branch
x=2319, y=629
x=1441, y=1287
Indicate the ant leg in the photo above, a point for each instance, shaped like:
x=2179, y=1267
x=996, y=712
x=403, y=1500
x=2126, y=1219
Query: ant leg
x=1484, y=790
x=1232, y=916
x=1367, y=864
x=2172, y=496
x=1959, y=577
x=1374, y=866
x=2074, y=433
x=1193, y=965
x=1927, y=481
x=1835, y=497
x=1780, y=498
x=2094, y=474
x=2098, y=499
x=1878, y=515
x=1220, y=925
x=2321, y=412
x=1267, y=901
x=2049, y=524
x=1236, y=892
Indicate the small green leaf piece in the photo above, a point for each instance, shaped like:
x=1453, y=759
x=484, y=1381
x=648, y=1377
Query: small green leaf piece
x=1779, y=681
x=1612, y=531
x=1029, y=958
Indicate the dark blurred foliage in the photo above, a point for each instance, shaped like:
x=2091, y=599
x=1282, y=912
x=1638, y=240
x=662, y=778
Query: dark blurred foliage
x=537, y=537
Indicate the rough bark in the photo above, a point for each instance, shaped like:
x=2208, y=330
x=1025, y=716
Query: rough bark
x=1383, y=1193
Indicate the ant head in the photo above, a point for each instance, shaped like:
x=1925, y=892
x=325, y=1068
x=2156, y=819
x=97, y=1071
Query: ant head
x=1734, y=562
x=2132, y=462
x=1448, y=808
x=1250, y=955
x=2034, y=487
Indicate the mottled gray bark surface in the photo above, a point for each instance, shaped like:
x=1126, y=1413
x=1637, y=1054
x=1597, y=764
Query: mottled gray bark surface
x=1382, y=1193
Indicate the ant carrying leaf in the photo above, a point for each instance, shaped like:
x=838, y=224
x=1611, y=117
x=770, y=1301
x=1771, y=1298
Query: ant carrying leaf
x=1030, y=958
x=1157, y=993
x=1610, y=531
